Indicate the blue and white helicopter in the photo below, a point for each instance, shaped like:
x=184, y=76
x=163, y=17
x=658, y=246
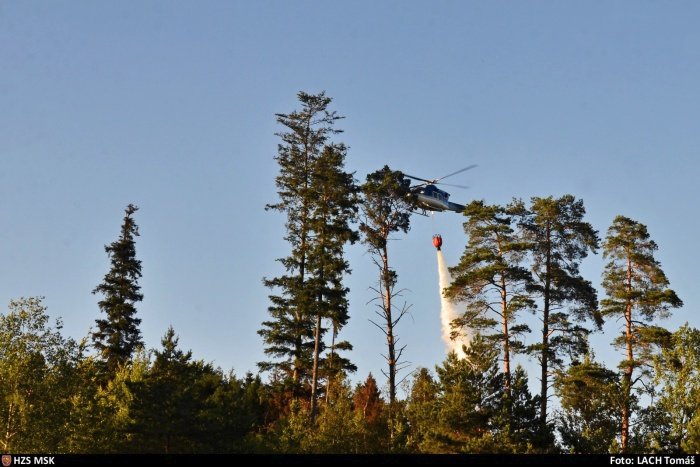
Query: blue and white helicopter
x=431, y=198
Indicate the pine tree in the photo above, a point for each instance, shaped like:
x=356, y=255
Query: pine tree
x=637, y=292
x=118, y=335
x=559, y=240
x=289, y=334
x=491, y=280
x=370, y=408
x=333, y=207
x=386, y=209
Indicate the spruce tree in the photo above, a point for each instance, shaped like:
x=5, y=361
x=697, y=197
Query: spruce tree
x=367, y=399
x=590, y=401
x=182, y=405
x=471, y=395
x=559, y=239
x=520, y=408
x=118, y=336
x=163, y=408
x=320, y=200
x=370, y=409
x=421, y=412
x=334, y=206
x=491, y=280
x=638, y=293
x=289, y=334
x=386, y=209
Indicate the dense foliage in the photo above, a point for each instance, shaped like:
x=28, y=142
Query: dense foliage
x=166, y=401
x=117, y=396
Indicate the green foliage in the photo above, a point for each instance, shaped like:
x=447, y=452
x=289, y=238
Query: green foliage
x=491, y=280
x=319, y=200
x=342, y=426
x=518, y=419
x=289, y=335
x=36, y=368
x=637, y=292
x=118, y=336
x=185, y=406
x=371, y=415
x=559, y=239
x=55, y=398
x=651, y=431
x=337, y=417
x=168, y=404
x=100, y=413
x=334, y=207
x=677, y=409
x=590, y=399
x=421, y=411
x=468, y=410
x=691, y=444
x=386, y=207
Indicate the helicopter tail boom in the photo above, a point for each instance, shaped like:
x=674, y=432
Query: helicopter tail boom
x=456, y=207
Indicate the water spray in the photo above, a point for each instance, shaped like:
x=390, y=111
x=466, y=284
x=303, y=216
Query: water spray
x=448, y=309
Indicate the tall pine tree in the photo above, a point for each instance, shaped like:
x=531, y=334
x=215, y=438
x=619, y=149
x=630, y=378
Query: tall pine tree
x=559, y=239
x=491, y=280
x=638, y=293
x=118, y=335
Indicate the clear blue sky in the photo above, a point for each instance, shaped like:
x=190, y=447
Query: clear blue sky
x=170, y=105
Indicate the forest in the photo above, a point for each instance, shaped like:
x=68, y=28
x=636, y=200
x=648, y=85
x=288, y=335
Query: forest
x=107, y=393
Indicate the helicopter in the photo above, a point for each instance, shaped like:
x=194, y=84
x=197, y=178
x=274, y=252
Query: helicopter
x=431, y=198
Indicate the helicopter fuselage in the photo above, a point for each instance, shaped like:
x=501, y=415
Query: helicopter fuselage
x=431, y=198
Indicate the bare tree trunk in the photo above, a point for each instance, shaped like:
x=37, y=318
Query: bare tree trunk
x=389, y=329
x=317, y=351
x=506, y=336
x=331, y=374
x=298, y=345
x=391, y=343
x=627, y=376
x=545, y=339
x=8, y=432
x=314, y=371
x=298, y=350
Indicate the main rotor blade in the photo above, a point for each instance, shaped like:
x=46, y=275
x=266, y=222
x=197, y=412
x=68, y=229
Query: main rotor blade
x=452, y=184
x=418, y=178
x=458, y=172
